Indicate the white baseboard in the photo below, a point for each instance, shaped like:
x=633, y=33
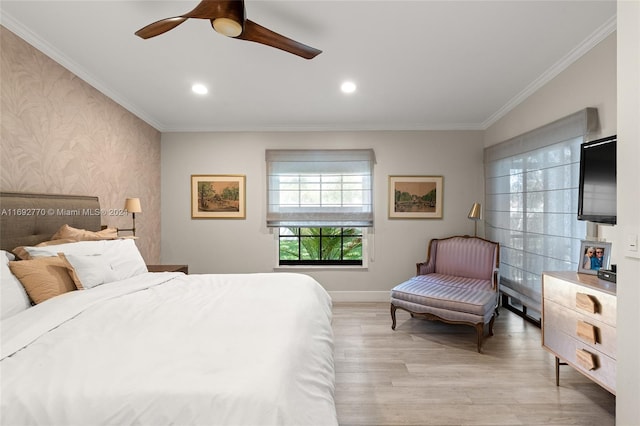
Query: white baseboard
x=360, y=296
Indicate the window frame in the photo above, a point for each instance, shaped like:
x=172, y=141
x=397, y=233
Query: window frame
x=366, y=237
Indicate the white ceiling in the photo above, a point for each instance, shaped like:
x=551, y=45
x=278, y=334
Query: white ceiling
x=417, y=64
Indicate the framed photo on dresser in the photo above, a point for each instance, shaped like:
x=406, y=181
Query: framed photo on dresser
x=594, y=255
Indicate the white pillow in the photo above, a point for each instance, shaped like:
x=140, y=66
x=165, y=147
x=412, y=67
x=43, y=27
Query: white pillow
x=13, y=295
x=125, y=258
x=122, y=255
x=9, y=256
x=80, y=248
x=89, y=271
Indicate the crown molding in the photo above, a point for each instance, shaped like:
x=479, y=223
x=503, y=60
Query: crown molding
x=589, y=43
x=37, y=42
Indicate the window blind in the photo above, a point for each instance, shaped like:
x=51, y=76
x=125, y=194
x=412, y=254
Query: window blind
x=531, y=203
x=320, y=188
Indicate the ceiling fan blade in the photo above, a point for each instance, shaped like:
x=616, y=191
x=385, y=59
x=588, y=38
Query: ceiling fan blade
x=160, y=27
x=228, y=17
x=211, y=9
x=259, y=34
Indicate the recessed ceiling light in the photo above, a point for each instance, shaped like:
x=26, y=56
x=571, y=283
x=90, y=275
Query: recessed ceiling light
x=200, y=89
x=348, y=87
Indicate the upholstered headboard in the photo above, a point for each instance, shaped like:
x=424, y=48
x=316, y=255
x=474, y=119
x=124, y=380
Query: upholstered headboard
x=27, y=219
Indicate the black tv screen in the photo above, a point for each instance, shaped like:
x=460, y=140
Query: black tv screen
x=597, y=189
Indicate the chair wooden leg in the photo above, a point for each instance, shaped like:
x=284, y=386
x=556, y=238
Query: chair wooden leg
x=493, y=318
x=480, y=332
x=393, y=317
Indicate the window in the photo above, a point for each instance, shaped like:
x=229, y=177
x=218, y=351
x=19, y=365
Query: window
x=320, y=246
x=321, y=201
x=531, y=202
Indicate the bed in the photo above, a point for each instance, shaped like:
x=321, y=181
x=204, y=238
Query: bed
x=143, y=348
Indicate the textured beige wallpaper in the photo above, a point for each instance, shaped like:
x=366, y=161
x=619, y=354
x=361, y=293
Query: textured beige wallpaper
x=60, y=135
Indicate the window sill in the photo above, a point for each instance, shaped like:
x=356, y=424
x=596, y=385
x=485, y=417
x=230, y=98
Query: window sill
x=320, y=268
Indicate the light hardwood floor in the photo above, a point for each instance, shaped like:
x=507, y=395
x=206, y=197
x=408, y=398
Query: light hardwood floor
x=430, y=373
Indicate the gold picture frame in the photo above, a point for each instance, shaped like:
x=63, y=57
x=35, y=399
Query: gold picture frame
x=218, y=196
x=415, y=197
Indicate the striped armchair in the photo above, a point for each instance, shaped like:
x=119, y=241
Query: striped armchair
x=458, y=284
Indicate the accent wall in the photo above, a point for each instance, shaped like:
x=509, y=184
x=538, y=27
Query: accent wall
x=60, y=135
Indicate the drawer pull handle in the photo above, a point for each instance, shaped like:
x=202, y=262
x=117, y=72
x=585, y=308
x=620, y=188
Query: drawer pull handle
x=587, y=332
x=587, y=303
x=586, y=359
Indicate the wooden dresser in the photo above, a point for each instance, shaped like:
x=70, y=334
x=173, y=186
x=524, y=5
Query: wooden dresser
x=579, y=324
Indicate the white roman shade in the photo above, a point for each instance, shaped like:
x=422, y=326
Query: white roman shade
x=531, y=203
x=320, y=188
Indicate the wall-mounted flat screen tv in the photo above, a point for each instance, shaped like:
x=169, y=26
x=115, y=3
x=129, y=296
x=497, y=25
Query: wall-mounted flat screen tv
x=597, y=189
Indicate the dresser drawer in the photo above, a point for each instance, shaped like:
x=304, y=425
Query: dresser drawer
x=593, y=304
x=589, y=331
x=579, y=356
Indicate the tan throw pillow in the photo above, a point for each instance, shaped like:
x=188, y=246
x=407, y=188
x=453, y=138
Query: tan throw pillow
x=22, y=253
x=43, y=277
x=76, y=234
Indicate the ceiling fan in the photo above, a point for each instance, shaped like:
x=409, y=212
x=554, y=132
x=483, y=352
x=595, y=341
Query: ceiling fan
x=228, y=17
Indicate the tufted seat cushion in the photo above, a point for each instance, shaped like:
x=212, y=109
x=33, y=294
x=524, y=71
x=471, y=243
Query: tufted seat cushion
x=458, y=294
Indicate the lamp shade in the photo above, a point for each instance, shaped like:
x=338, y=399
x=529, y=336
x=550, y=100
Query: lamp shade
x=475, y=212
x=132, y=205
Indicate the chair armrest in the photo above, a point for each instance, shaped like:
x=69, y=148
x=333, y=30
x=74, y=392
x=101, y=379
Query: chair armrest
x=496, y=279
x=424, y=268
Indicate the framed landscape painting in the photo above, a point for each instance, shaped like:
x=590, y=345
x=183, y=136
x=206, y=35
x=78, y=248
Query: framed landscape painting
x=415, y=197
x=218, y=197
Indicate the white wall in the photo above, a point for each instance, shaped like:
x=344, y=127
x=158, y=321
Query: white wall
x=628, y=355
x=588, y=82
x=232, y=246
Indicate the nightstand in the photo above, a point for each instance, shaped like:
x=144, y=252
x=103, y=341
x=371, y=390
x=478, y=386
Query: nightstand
x=168, y=268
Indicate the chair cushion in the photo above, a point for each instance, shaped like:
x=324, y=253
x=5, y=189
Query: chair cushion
x=455, y=281
x=459, y=294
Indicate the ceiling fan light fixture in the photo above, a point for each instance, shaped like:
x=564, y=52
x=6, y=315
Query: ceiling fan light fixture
x=227, y=26
x=228, y=18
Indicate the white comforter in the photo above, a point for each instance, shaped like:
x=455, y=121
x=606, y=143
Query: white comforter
x=165, y=348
